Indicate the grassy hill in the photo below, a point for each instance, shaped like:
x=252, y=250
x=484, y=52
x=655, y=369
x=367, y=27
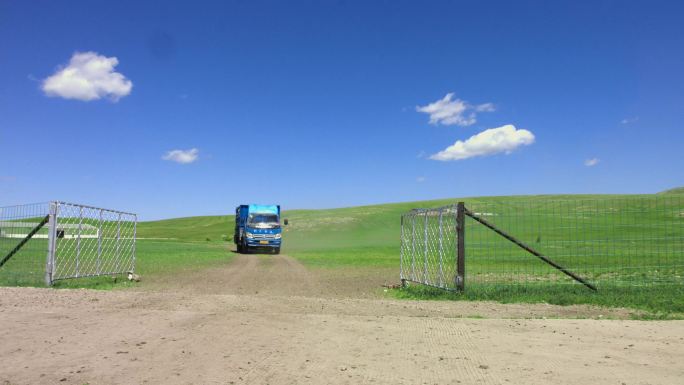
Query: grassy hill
x=366, y=234
x=676, y=190
x=213, y=228
x=362, y=226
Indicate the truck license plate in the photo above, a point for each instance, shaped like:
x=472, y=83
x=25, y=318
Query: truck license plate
x=263, y=242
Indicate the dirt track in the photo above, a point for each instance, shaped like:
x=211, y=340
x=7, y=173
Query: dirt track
x=277, y=275
x=299, y=329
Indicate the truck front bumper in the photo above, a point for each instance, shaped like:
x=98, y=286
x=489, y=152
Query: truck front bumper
x=263, y=242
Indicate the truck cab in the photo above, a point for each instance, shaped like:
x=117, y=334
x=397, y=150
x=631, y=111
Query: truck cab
x=257, y=226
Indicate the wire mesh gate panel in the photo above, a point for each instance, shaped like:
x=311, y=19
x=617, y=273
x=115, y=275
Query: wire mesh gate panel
x=603, y=242
x=90, y=241
x=429, y=247
x=60, y=240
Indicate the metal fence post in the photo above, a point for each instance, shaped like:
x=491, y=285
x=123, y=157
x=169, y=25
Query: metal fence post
x=425, y=247
x=441, y=250
x=52, y=244
x=99, y=246
x=78, y=242
x=135, y=231
x=460, y=249
x=413, y=247
x=118, y=239
x=401, y=253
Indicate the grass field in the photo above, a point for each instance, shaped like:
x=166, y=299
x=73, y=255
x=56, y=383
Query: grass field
x=154, y=257
x=368, y=237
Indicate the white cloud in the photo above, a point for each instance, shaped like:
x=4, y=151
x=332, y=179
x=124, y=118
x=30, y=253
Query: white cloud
x=592, y=162
x=629, y=120
x=486, y=107
x=182, y=156
x=420, y=179
x=449, y=112
x=89, y=76
x=488, y=142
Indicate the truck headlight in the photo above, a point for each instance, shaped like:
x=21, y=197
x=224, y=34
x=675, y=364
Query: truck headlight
x=249, y=235
x=277, y=236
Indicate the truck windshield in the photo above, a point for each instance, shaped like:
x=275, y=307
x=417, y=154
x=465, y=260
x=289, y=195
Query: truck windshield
x=263, y=221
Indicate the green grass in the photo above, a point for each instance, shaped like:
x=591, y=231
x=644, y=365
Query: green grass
x=369, y=236
x=655, y=302
x=154, y=257
x=214, y=228
x=676, y=190
x=350, y=257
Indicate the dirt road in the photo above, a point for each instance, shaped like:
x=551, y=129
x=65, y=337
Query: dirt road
x=185, y=336
x=276, y=275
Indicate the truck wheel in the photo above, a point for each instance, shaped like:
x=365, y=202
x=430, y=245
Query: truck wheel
x=239, y=247
x=276, y=250
x=245, y=248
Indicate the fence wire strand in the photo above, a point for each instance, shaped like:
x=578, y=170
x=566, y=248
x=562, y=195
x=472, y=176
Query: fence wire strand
x=26, y=267
x=608, y=241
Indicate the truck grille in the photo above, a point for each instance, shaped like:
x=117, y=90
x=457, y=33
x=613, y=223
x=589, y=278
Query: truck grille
x=264, y=236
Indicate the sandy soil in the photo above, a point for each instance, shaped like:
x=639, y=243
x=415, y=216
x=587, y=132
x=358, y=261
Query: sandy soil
x=235, y=325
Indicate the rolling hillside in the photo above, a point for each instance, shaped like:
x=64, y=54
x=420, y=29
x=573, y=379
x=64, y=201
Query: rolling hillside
x=676, y=190
x=363, y=227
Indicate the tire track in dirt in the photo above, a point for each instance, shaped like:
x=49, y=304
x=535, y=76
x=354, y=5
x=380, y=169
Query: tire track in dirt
x=446, y=346
x=278, y=275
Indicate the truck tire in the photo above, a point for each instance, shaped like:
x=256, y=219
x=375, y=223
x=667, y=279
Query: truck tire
x=245, y=248
x=239, y=247
x=276, y=250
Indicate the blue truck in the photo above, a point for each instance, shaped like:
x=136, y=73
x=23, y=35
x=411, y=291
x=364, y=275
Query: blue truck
x=257, y=226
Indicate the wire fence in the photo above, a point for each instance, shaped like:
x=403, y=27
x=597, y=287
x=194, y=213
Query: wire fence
x=47, y=242
x=605, y=241
x=26, y=266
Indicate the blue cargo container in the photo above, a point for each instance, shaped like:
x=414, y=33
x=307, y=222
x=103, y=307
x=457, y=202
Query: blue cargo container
x=257, y=226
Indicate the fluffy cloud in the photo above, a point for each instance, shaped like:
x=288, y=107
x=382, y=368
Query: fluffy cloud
x=488, y=142
x=182, y=156
x=449, y=112
x=629, y=120
x=89, y=76
x=592, y=162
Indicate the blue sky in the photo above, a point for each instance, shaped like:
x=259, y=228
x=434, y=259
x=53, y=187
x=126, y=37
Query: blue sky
x=327, y=103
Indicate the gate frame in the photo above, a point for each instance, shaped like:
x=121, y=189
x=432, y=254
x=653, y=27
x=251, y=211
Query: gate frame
x=52, y=243
x=460, y=246
x=53, y=220
x=444, y=255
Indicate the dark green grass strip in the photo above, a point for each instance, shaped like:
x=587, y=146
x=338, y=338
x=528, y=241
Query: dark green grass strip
x=658, y=302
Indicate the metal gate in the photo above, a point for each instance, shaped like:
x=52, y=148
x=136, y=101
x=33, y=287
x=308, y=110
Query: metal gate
x=431, y=243
x=85, y=241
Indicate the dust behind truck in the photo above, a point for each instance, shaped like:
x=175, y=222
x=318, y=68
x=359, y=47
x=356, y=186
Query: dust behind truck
x=257, y=227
